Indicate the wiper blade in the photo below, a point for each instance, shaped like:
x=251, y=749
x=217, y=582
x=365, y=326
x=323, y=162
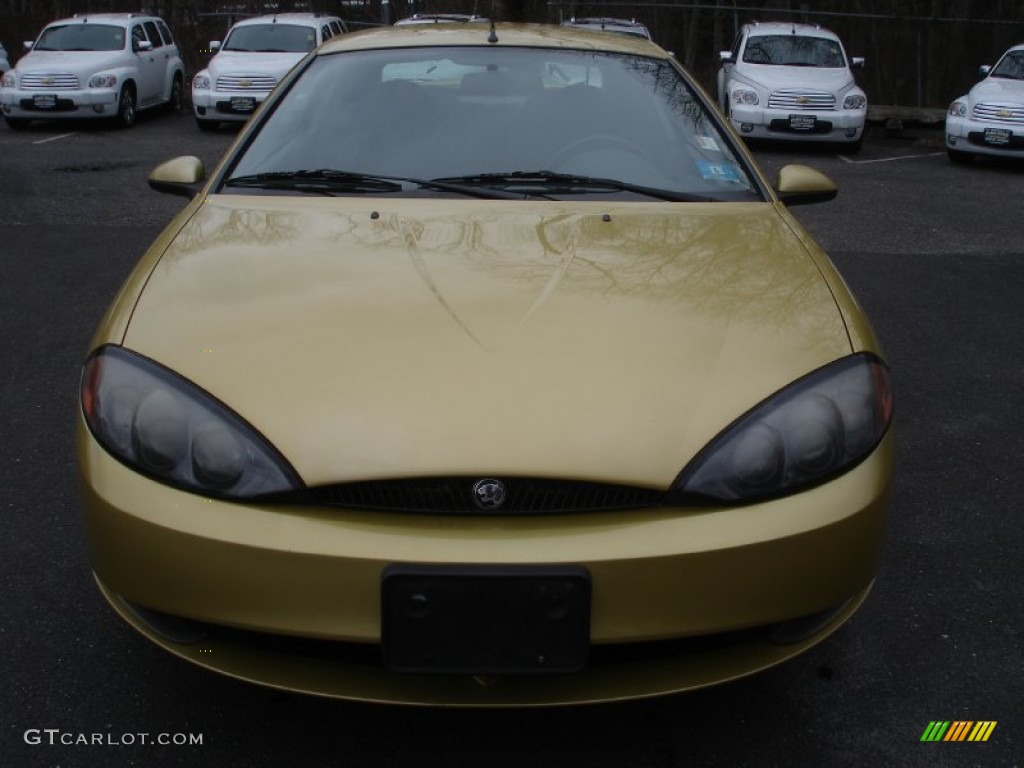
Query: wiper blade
x=322, y=180
x=329, y=180
x=552, y=181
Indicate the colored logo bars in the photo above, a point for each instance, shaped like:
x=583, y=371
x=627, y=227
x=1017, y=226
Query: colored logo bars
x=958, y=730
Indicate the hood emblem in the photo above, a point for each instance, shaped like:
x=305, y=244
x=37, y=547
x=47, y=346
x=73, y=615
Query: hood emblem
x=1004, y=113
x=245, y=84
x=802, y=100
x=489, y=494
x=47, y=80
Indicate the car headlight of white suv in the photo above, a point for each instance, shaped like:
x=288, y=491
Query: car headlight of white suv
x=958, y=109
x=103, y=80
x=9, y=80
x=855, y=101
x=201, y=81
x=745, y=96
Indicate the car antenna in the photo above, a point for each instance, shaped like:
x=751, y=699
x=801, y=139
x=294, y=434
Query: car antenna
x=492, y=36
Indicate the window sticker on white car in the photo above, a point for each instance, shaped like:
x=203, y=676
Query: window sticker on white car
x=708, y=143
x=718, y=171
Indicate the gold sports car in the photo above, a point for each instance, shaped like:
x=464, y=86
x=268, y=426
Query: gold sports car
x=485, y=370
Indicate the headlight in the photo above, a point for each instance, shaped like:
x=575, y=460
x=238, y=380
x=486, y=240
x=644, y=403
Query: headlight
x=958, y=109
x=743, y=96
x=201, y=82
x=9, y=81
x=166, y=427
x=855, y=101
x=814, y=429
x=103, y=81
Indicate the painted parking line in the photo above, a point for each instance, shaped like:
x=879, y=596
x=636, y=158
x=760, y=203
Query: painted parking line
x=53, y=138
x=851, y=161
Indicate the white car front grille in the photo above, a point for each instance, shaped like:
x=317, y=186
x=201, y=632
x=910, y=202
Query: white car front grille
x=246, y=83
x=812, y=101
x=999, y=113
x=49, y=82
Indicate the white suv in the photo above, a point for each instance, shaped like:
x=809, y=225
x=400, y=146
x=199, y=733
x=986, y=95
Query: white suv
x=107, y=65
x=792, y=82
x=256, y=54
x=990, y=119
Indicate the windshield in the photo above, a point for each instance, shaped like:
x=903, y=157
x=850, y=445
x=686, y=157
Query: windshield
x=499, y=117
x=794, y=51
x=81, y=37
x=1011, y=66
x=267, y=38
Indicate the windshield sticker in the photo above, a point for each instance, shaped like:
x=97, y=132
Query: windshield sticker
x=719, y=171
x=708, y=143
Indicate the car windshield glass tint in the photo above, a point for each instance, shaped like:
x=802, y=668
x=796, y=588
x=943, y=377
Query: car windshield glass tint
x=1011, y=67
x=81, y=37
x=483, y=114
x=287, y=38
x=794, y=51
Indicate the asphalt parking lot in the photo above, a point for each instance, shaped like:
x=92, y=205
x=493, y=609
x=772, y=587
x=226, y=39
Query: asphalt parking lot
x=934, y=253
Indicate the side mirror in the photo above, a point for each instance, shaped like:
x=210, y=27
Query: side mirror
x=857, y=62
x=984, y=70
x=142, y=46
x=725, y=57
x=28, y=45
x=800, y=185
x=181, y=176
x=215, y=45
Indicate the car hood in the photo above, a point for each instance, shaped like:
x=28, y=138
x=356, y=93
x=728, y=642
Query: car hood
x=77, y=62
x=998, y=90
x=369, y=339
x=253, y=63
x=805, y=78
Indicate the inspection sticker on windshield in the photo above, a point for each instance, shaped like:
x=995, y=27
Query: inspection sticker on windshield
x=721, y=171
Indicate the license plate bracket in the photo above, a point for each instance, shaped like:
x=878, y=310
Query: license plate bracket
x=243, y=103
x=44, y=101
x=485, y=620
x=803, y=122
x=999, y=137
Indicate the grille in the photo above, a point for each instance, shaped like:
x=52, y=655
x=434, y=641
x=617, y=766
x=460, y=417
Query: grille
x=455, y=495
x=809, y=100
x=54, y=82
x=999, y=113
x=246, y=83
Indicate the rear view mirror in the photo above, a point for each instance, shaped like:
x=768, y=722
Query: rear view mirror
x=180, y=176
x=801, y=185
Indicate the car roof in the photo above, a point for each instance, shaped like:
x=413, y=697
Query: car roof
x=626, y=26
x=788, y=28
x=310, y=19
x=441, y=18
x=89, y=18
x=509, y=35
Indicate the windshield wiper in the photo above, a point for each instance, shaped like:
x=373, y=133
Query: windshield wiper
x=323, y=181
x=328, y=181
x=552, y=182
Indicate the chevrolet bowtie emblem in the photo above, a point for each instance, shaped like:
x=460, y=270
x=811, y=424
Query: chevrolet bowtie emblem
x=245, y=84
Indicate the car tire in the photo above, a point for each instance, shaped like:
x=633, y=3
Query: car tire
x=126, y=108
x=17, y=123
x=176, y=101
x=207, y=125
x=960, y=158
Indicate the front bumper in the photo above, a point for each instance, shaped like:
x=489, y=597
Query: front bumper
x=226, y=105
x=986, y=137
x=259, y=585
x=845, y=125
x=92, y=102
